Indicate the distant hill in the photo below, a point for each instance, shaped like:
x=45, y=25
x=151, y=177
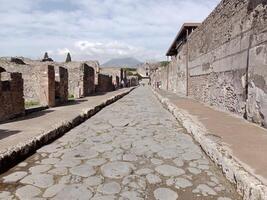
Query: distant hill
x=122, y=62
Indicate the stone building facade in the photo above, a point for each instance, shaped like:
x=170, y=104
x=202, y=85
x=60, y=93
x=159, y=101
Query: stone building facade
x=115, y=72
x=81, y=79
x=104, y=83
x=11, y=95
x=226, y=61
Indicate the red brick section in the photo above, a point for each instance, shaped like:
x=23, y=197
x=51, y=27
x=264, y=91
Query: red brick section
x=88, y=80
x=47, y=85
x=61, y=84
x=104, y=83
x=11, y=95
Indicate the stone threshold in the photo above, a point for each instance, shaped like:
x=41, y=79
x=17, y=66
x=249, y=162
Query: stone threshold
x=12, y=156
x=248, y=185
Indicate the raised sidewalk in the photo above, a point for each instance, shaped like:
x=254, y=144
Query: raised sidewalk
x=236, y=145
x=21, y=137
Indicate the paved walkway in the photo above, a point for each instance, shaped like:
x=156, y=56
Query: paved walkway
x=246, y=141
x=134, y=149
x=23, y=129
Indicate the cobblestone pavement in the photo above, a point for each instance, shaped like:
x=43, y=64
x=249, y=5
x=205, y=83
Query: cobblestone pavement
x=133, y=149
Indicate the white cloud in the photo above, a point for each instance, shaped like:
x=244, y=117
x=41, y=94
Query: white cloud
x=95, y=29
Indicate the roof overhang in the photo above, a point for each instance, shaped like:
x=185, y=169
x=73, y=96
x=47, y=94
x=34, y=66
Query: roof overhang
x=178, y=39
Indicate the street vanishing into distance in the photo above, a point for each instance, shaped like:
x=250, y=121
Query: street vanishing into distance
x=133, y=149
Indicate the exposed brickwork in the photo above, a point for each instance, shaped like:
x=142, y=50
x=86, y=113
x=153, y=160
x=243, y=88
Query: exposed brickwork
x=80, y=84
x=47, y=85
x=11, y=95
x=117, y=74
x=104, y=83
x=61, y=84
x=88, y=80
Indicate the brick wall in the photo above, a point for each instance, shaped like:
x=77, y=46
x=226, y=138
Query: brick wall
x=11, y=95
x=82, y=78
x=47, y=85
x=61, y=84
x=104, y=83
x=89, y=80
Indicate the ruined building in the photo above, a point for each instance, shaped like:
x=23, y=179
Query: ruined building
x=11, y=95
x=222, y=62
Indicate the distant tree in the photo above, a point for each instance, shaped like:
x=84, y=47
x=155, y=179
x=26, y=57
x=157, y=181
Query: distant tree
x=68, y=59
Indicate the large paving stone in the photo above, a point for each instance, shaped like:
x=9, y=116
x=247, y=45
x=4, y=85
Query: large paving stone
x=165, y=194
x=14, y=177
x=109, y=188
x=39, y=180
x=84, y=170
x=168, y=170
x=76, y=191
x=116, y=170
x=27, y=192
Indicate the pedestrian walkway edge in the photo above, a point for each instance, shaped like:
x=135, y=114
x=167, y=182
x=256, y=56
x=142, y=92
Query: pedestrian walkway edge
x=15, y=154
x=246, y=183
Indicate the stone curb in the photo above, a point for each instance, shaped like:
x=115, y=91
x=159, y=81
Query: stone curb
x=246, y=183
x=14, y=155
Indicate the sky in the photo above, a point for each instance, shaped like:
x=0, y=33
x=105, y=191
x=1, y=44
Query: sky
x=95, y=29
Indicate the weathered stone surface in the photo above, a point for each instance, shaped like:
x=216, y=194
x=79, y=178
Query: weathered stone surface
x=165, y=194
x=168, y=170
x=14, y=177
x=39, y=180
x=116, y=169
x=27, y=192
x=76, y=191
x=78, y=170
x=84, y=170
x=182, y=183
x=109, y=188
x=153, y=179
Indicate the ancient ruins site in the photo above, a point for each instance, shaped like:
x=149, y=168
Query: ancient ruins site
x=86, y=120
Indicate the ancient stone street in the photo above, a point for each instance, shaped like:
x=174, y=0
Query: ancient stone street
x=133, y=149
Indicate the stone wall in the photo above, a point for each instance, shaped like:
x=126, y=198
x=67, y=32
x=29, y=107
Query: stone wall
x=117, y=74
x=89, y=80
x=82, y=79
x=227, y=65
x=47, y=85
x=104, y=83
x=132, y=81
x=227, y=55
x=30, y=78
x=11, y=95
x=61, y=84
